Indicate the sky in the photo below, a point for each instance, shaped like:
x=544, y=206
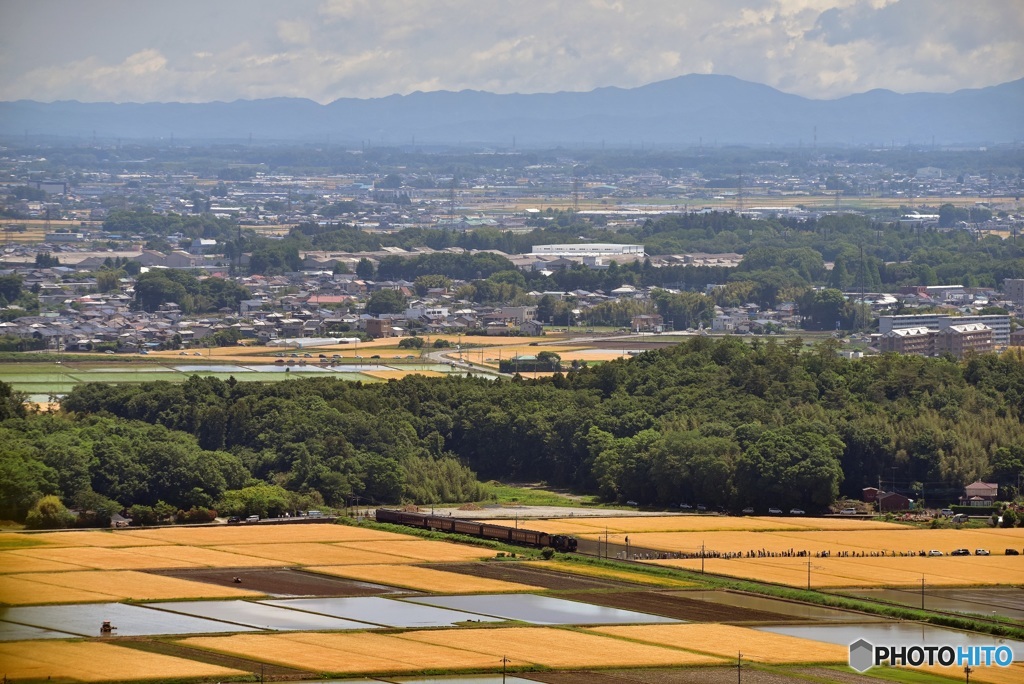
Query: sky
x=205, y=50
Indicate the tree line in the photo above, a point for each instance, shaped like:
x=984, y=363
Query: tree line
x=720, y=422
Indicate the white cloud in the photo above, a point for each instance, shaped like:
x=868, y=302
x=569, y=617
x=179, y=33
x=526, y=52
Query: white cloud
x=357, y=48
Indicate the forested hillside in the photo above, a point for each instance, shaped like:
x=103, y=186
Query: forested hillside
x=719, y=422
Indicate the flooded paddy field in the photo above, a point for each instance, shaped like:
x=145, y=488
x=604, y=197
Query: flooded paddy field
x=282, y=582
x=258, y=615
x=10, y=631
x=983, y=601
x=522, y=573
x=678, y=606
x=384, y=612
x=129, y=620
x=540, y=610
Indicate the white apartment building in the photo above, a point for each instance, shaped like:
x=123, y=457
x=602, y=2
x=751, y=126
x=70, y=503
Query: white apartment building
x=1000, y=324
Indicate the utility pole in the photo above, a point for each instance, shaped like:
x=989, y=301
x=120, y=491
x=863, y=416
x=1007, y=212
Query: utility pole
x=504, y=662
x=922, y=591
x=739, y=666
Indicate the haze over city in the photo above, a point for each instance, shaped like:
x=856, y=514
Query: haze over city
x=194, y=51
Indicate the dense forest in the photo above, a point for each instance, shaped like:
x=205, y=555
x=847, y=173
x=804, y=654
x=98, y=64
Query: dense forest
x=725, y=423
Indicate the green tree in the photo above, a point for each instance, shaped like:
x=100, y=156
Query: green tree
x=49, y=513
x=385, y=302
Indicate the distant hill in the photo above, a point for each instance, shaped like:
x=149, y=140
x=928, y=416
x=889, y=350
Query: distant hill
x=683, y=110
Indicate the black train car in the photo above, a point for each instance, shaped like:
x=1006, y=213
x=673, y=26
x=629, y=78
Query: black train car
x=559, y=542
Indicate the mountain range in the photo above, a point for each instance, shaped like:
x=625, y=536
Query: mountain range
x=687, y=110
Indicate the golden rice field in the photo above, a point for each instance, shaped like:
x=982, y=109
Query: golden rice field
x=15, y=591
x=562, y=648
x=727, y=641
x=900, y=539
x=424, y=550
x=347, y=653
x=1014, y=674
x=704, y=523
x=102, y=558
x=422, y=579
x=867, y=572
x=209, y=557
x=314, y=554
x=11, y=562
x=95, y=661
x=261, y=534
x=127, y=584
x=112, y=539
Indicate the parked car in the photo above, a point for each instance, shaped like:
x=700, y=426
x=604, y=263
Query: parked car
x=797, y=511
x=685, y=507
x=775, y=511
x=749, y=510
x=981, y=552
x=1011, y=552
x=933, y=552
x=632, y=503
x=959, y=552
x=848, y=511
x=701, y=508
x=253, y=519
x=946, y=512
x=234, y=520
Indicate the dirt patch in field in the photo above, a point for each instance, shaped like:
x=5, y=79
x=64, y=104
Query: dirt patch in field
x=268, y=670
x=528, y=573
x=282, y=582
x=675, y=606
x=689, y=675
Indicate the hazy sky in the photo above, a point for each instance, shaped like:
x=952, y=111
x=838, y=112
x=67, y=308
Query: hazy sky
x=199, y=50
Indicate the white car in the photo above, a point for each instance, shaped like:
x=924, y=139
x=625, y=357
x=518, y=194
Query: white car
x=933, y=552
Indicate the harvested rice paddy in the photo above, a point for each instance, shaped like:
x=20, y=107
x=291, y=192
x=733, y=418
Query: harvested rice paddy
x=727, y=641
x=97, y=662
x=422, y=579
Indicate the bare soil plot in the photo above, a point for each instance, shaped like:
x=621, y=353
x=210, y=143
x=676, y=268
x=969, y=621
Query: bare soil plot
x=345, y=653
x=424, y=550
x=280, y=582
x=315, y=554
x=96, y=662
x=128, y=584
x=423, y=579
x=727, y=640
x=562, y=648
x=523, y=572
x=262, y=534
x=676, y=606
